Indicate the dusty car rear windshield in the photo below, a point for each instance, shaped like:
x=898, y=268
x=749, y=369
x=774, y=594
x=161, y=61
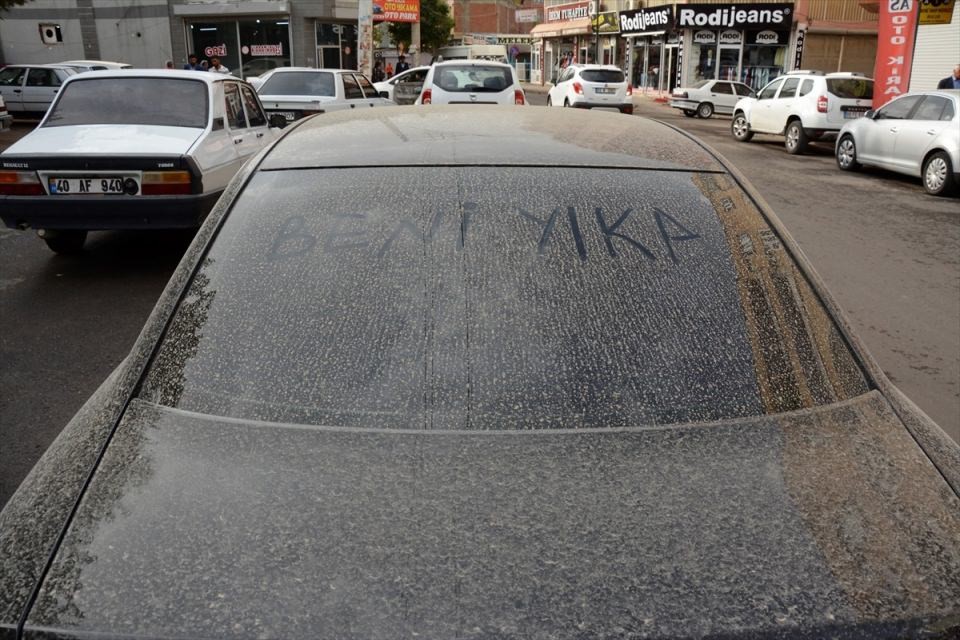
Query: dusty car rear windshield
x=602, y=75
x=299, y=83
x=422, y=298
x=851, y=88
x=472, y=78
x=151, y=101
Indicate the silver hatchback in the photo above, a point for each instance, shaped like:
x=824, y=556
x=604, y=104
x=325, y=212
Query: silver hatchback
x=917, y=134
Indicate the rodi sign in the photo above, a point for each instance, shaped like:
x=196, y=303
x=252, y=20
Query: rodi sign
x=735, y=16
x=644, y=20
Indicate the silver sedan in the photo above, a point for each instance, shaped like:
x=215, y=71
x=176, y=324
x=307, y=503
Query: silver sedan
x=917, y=134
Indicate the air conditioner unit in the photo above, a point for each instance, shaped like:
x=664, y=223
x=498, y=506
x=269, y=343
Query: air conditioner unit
x=50, y=33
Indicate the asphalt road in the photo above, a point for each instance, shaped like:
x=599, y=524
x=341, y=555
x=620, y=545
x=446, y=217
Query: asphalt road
x=889, y=253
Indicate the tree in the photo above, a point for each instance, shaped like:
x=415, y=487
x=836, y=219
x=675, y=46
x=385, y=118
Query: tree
x=6, y=4
x=436, y=24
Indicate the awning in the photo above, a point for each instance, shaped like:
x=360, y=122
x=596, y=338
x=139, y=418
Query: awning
x=565, y=28
x=232, y=8
x=643, y=34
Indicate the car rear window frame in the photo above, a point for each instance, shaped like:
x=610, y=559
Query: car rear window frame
x=585, y=73
x=65, y=94
x=276, y=78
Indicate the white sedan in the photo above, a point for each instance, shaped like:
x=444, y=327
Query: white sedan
x=131, y=149
x=403, y=88
x=917, y=134
x=709, y=96
x=297, y=92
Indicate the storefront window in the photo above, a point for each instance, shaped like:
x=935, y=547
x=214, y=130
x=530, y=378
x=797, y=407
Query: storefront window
x=216, y=40
x=264, y=45
x=703, y=55
x=764, y=57
x=336, y=45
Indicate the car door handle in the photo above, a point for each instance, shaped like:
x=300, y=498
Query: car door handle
x=932, y=132
x=894, y=129
x=237, y=140
x=16, y=90
x=260, y=134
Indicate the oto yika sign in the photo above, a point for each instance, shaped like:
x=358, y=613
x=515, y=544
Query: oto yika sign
x=896, y=33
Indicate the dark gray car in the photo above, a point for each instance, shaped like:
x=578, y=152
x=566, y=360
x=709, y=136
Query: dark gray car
x=498, y=373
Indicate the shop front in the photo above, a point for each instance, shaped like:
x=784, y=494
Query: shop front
x=565, y=37
x=749, y=43
x=653, y=47
x=248, y=39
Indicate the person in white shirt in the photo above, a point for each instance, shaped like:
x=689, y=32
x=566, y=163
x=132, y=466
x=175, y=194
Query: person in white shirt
x=216, y=67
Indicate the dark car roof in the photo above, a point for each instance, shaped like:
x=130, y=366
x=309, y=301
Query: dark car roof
x=481, y=135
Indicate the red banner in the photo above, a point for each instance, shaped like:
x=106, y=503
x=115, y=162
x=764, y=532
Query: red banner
x=896, y=33
x=396, y=10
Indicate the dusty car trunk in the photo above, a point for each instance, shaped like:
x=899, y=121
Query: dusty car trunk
x=202, y=526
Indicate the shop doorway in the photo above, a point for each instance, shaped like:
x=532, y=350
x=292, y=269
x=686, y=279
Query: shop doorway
x=672, y=58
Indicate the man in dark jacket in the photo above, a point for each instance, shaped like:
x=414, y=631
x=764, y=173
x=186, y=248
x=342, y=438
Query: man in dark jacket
x=951, y=82
x=401, y=65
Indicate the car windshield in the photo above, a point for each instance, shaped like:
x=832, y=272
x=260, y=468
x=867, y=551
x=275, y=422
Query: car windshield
x=173, y=102
x=300, y=83
x=558, y=299
x=851, y=88
x=602, y=75
x=473, y=78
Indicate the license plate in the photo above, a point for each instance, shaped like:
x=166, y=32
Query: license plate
x=289, y=115
x=605, y=90
x=850, y=114
x=89, y=185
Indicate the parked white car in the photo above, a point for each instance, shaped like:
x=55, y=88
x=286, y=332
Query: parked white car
x=803, y=106
x=409, y=83
x=709, y=96
x=95, y=65
x=130, y=149
x=28, y=90
x=296, y=92
x=917, y=134
x=590, y=86
x=6, y=120
x=471, y=82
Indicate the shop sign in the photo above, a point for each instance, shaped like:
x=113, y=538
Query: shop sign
x=641, y=20
x=606, y=22
x=216, y=50
x=266, y=49
x=527, y=15
x=731, y=36
x=736, y=16
x=896, y=31
x=766, y=37
x=705, y=37
x=396, y=10
x=572, y=11
x=936, y=11
x=673, y=38
x=798, y=56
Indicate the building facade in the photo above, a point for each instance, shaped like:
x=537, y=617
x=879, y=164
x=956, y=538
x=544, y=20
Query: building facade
x=662, y=44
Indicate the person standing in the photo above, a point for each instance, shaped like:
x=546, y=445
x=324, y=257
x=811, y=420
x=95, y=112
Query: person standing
x=951, y=82
x=389, y=70
x=378, y=75
x=216, y=67
x=169, y=65
x=402, y=65
x=193, y=64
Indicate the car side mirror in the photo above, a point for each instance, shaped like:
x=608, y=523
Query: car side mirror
x=278, y=121
x=873, y=115
x=217, y=124
x=384, y=94
x=553, y=80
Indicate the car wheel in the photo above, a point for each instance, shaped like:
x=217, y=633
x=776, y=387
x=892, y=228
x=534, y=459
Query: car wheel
x=847, y=154
x=938, y=178
x=796, y=140
x=549, y=102
x=689, y=113
x=705, y=110
x=740, y=129
x=566, y=102
x=65, y=242
x=627, y=109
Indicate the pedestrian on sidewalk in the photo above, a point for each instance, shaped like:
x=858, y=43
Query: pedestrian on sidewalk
x=216, y=67
x=193, y=63
x=951, y=82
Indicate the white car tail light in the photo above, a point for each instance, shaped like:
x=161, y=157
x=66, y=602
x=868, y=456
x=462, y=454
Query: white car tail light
x=518, y=96
x=578, y=88
x=166, y=183
x=629, y=89
x=20, y=183
x=427, y=97
x=823, y=104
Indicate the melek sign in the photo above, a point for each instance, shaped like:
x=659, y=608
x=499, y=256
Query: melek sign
x=734, y=16
x=644, y=20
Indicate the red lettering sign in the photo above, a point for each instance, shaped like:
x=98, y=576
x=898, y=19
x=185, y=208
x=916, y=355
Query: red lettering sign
x=896, y=33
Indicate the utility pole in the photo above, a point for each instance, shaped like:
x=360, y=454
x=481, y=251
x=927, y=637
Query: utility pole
x=365, y=37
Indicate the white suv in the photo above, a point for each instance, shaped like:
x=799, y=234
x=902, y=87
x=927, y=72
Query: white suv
x=589, y=86
x=471, y=82
x=803, y=106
